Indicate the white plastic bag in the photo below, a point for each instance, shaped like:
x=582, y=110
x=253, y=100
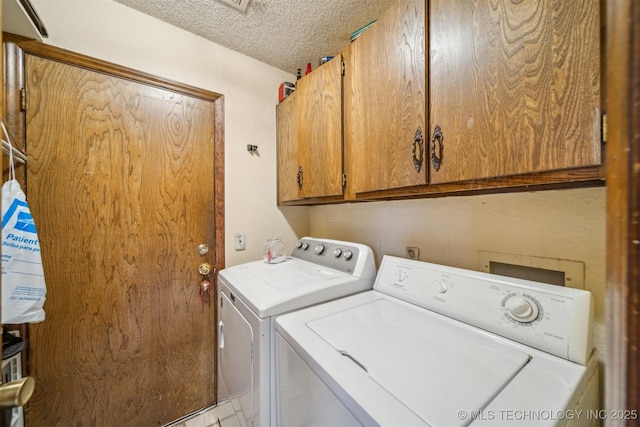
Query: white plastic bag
x=23, y=286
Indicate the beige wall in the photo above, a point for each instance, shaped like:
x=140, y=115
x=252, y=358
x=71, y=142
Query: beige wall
x=110, y=31
x=564, y=224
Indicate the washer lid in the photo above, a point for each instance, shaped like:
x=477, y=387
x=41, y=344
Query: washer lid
x=433, y=367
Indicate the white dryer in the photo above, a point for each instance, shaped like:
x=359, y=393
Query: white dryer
x=439, y=346
x=251, y=295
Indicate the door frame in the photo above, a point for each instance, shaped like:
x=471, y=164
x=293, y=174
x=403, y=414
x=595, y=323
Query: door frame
x=15, y=47
x=622, y=50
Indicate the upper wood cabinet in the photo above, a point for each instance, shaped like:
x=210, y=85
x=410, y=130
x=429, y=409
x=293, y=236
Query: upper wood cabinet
x=513, y=95
x=515, y=87
x=384, y=102
x=310, y=136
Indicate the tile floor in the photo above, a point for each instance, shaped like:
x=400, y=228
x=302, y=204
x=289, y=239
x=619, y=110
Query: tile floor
x=222, y=415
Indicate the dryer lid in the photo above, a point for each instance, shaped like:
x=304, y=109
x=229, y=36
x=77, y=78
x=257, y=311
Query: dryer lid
x=288, y=274
x=427, y=362
x=271, y=289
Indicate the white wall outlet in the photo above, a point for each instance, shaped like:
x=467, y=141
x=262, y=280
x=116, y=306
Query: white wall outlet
x=240, y=241
x=413, y=252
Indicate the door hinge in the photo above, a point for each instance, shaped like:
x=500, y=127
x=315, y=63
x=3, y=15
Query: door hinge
x=343, y=69
x=604, y=128
x=23, y=99
x=344, y=179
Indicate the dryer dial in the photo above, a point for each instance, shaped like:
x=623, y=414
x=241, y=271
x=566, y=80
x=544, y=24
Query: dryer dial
x=521, y=308
x=319, y=249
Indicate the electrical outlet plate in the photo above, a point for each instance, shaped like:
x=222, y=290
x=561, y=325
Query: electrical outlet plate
x=240, y=241
x=413, y=252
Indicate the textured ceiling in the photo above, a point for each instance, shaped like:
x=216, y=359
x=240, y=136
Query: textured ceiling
x=286, y=34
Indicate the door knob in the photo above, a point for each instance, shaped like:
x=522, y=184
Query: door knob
x=16, y=393
x=204, y=269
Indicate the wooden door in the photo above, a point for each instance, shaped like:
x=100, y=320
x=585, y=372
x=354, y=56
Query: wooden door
x=120, y=183
x=514, y=86
x=319, y=128
x=385, y=96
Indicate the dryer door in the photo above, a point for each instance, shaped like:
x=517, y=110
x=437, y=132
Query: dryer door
x=235, y=342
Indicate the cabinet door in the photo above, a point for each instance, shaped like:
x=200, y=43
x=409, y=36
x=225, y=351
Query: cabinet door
x=319, y=127
x=385, y=98
x=515, y=86
x=287, y=142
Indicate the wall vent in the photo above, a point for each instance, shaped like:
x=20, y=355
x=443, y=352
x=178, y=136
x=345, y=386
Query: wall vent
x=562, y=272
x=20, y=17
x=241, y=5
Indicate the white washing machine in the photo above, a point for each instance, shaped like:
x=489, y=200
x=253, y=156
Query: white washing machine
x=251, y=295
x=439, y=346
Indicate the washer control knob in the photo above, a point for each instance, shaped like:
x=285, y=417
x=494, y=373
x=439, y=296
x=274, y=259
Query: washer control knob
x=521, y=308
x=337, y=252
x=305, y=246
x=319, y=249
x=298, y=245
x=401, y=275
x=441, y=287
x=348, y=255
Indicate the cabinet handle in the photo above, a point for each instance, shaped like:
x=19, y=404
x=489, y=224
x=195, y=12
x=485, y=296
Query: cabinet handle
x=436, y=159
x=299, y=177
x=418, y=150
